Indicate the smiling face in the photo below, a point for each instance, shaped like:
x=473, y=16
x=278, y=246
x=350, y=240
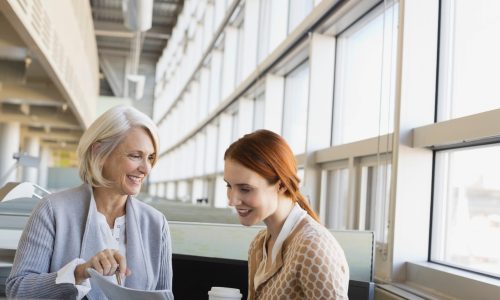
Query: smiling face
x=253, y=197
x=130, y=162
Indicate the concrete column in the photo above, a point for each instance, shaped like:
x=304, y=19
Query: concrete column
x=43, y=171
x=10, y=135
x=32, y=148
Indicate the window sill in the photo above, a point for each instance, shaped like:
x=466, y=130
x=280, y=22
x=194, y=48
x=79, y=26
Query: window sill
x=433, y=281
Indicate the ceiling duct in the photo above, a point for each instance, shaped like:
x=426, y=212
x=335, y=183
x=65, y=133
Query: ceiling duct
x=138, y=14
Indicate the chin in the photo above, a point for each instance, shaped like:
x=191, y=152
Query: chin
x=131, y=188
x=132, y=191
x=246, y=222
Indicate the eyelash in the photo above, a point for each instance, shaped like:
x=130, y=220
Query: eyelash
x=134, y=156
x=243, y=190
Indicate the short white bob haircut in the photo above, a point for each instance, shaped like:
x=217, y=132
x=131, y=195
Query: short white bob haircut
x=109, y=130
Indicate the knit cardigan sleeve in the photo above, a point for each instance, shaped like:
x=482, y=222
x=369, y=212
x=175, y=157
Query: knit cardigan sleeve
x=165, y=277
x=30, y=276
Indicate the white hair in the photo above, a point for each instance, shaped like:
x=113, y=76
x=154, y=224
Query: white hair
x=108, y=131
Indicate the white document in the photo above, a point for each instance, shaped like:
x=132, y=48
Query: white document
x=114, y=291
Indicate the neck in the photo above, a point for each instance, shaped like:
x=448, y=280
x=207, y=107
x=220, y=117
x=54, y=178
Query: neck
x=108, y=203
x=275, y=222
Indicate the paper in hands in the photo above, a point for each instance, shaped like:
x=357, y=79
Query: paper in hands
x=114, y=291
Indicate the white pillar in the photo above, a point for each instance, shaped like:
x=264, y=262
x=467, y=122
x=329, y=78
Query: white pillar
x=43, y=171
x=32, y=148
x=10, y=135
x=220, y=198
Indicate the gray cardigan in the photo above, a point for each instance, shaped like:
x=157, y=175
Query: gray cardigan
x=62, y=228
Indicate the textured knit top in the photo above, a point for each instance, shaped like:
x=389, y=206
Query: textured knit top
x=62, y=228
x=310, y=265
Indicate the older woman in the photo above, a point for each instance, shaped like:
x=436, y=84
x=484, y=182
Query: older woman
x=99, y=224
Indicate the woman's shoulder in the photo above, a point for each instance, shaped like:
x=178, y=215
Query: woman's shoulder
x=67, y=197
x=313, y=232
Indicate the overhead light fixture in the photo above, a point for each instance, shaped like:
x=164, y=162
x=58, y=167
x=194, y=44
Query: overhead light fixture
x=138, y=81
x=138, y=14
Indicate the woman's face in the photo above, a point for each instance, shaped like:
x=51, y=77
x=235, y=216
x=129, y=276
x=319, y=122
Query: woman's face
x=130, y=162
x=253, y=197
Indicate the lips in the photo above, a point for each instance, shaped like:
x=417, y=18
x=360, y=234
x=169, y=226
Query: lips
x=135, y=179
x=243, y=212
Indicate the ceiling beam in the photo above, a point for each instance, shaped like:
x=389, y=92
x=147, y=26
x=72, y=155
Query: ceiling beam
x=37, y=94
x=73, y=136
x=36, y=120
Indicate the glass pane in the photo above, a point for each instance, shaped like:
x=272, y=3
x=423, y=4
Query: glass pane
x=170, y=193
x=183, y=191
x=264, y=29
x=295, y=108
x=235, y=132
x=337, y=200
x=299, y=9
x=258, y=112
x=375, y=183
x=469, y=60
x=466, y=215
x=365, y=78
x=240, y=52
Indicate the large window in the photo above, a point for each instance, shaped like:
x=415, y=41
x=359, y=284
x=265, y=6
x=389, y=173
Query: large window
x=356, y=195
x=338, y=212
x=466, y=195
x=365, y=77
x=374, y=198
x=469, y=60
x=295, y=107
x=466, y=222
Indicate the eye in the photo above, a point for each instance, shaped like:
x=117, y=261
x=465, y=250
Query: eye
x=228, y=186
x=151, y=158
x=134, y=156
x=245, y=190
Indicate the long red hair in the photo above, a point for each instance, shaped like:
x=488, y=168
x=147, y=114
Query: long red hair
x=269, y=155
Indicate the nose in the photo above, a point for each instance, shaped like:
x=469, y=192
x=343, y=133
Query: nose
x=145, y=166
x=232, y=198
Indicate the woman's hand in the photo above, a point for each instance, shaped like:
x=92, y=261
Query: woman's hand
x=105, y=262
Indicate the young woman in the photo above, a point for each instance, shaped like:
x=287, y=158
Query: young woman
x=295, y=257
x=99, y=224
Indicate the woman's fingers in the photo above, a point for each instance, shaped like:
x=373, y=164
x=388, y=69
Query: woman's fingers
x=122, y=263
x=108, y=261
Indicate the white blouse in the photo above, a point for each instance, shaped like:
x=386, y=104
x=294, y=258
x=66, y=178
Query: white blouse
x=114, y=238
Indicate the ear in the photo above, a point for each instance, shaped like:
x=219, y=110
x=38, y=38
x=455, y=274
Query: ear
x=281, y=187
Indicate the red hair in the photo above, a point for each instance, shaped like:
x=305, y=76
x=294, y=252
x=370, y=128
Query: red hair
x=269, y=155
